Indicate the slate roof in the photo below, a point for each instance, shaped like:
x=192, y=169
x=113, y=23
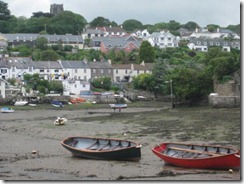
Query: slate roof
x=20, y=36
x=118, y=41
x=18, y=62
x=74, y=64
x=68, y=38
x=100, y=65
x=47, y=65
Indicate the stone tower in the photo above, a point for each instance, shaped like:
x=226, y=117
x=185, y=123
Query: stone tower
x=56, y=8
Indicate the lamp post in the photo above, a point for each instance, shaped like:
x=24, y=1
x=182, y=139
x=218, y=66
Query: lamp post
x=171, y=92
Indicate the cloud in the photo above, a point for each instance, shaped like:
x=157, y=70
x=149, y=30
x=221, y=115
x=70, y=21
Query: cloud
x=203, y=12
x=27, y=7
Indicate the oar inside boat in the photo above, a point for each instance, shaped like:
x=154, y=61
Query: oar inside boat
x=197, y=151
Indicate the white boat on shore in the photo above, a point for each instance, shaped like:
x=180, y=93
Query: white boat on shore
x=21, y=103
x=7, y=110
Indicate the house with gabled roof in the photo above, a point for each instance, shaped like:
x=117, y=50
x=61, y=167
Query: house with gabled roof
x=126, y=72
x=112, y=31
x=202, y=44
x=75, y=41
x=76, y=70
x=15, y=67
x=91, y=33
x=48, y=70
x=163, y=39
x=16, y=39
x=101, y=69
x=126, y=43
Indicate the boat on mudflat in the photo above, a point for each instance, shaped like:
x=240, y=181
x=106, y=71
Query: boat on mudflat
x=57, y=103
x=198, y=156
x=7, y=110
x=103, y=148
x=118, y=106
x=21, y=103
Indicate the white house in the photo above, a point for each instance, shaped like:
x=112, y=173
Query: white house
x=2, y=88
x=77, y=70
x=48, y=70
x=126, y=72
x=15, y=67
x=75, y=86
x=144, y=34
x=163, y=39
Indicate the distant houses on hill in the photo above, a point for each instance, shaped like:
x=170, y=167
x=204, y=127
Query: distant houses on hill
x=107, y=38
x=75, y=75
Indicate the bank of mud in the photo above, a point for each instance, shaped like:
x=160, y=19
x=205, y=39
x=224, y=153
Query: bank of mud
x=28, y=130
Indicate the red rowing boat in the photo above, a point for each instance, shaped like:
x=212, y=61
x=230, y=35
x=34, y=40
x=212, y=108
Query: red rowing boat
x=198, y=156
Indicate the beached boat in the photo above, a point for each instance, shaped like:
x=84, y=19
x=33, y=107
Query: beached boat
x=7, y=110
x=57, y=103
x=118, y=106
x=198, y=156
x=60, y=121
x=102, y=148
x=21, y=103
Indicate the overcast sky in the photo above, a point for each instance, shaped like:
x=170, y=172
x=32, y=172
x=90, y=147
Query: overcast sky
x=203, y=12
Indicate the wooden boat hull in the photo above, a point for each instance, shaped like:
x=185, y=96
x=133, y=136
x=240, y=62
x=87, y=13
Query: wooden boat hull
x=105, y=149
x=198, y=156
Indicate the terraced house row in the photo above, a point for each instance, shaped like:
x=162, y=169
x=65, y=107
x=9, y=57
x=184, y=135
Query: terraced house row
x=75, y=75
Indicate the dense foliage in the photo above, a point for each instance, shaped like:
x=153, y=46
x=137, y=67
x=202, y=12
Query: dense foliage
x=34, y=82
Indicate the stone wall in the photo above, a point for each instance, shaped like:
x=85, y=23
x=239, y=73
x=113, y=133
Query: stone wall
x=224, y=101
x=227, y=89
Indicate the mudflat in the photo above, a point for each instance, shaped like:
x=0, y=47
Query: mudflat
x=32, y=129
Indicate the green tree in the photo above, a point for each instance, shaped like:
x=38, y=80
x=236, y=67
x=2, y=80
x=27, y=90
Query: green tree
x=146, y=52
x=102, y=83
x=212, y=27
x=131, y=25
x=4, y=11
x=66, y=22
x=49, y=55
x=55, y=86
x=41, y=43
x=190, y=84
x=102, y=22
x=191, y=26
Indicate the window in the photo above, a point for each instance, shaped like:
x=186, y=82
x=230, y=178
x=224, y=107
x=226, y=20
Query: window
x=84, y=70
x=169, y=39
x=55, y=70
x=126, y=71
x=117, y=71
x=94, y=70
x=101, y=71
x=41, y=71
x=75, y=70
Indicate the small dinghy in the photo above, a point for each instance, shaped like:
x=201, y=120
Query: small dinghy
x=60, y=121
x=20, y=103
x=198, y=156
x=57, y=103
x=7, y=110
x=101, y=148
x=118, y=106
